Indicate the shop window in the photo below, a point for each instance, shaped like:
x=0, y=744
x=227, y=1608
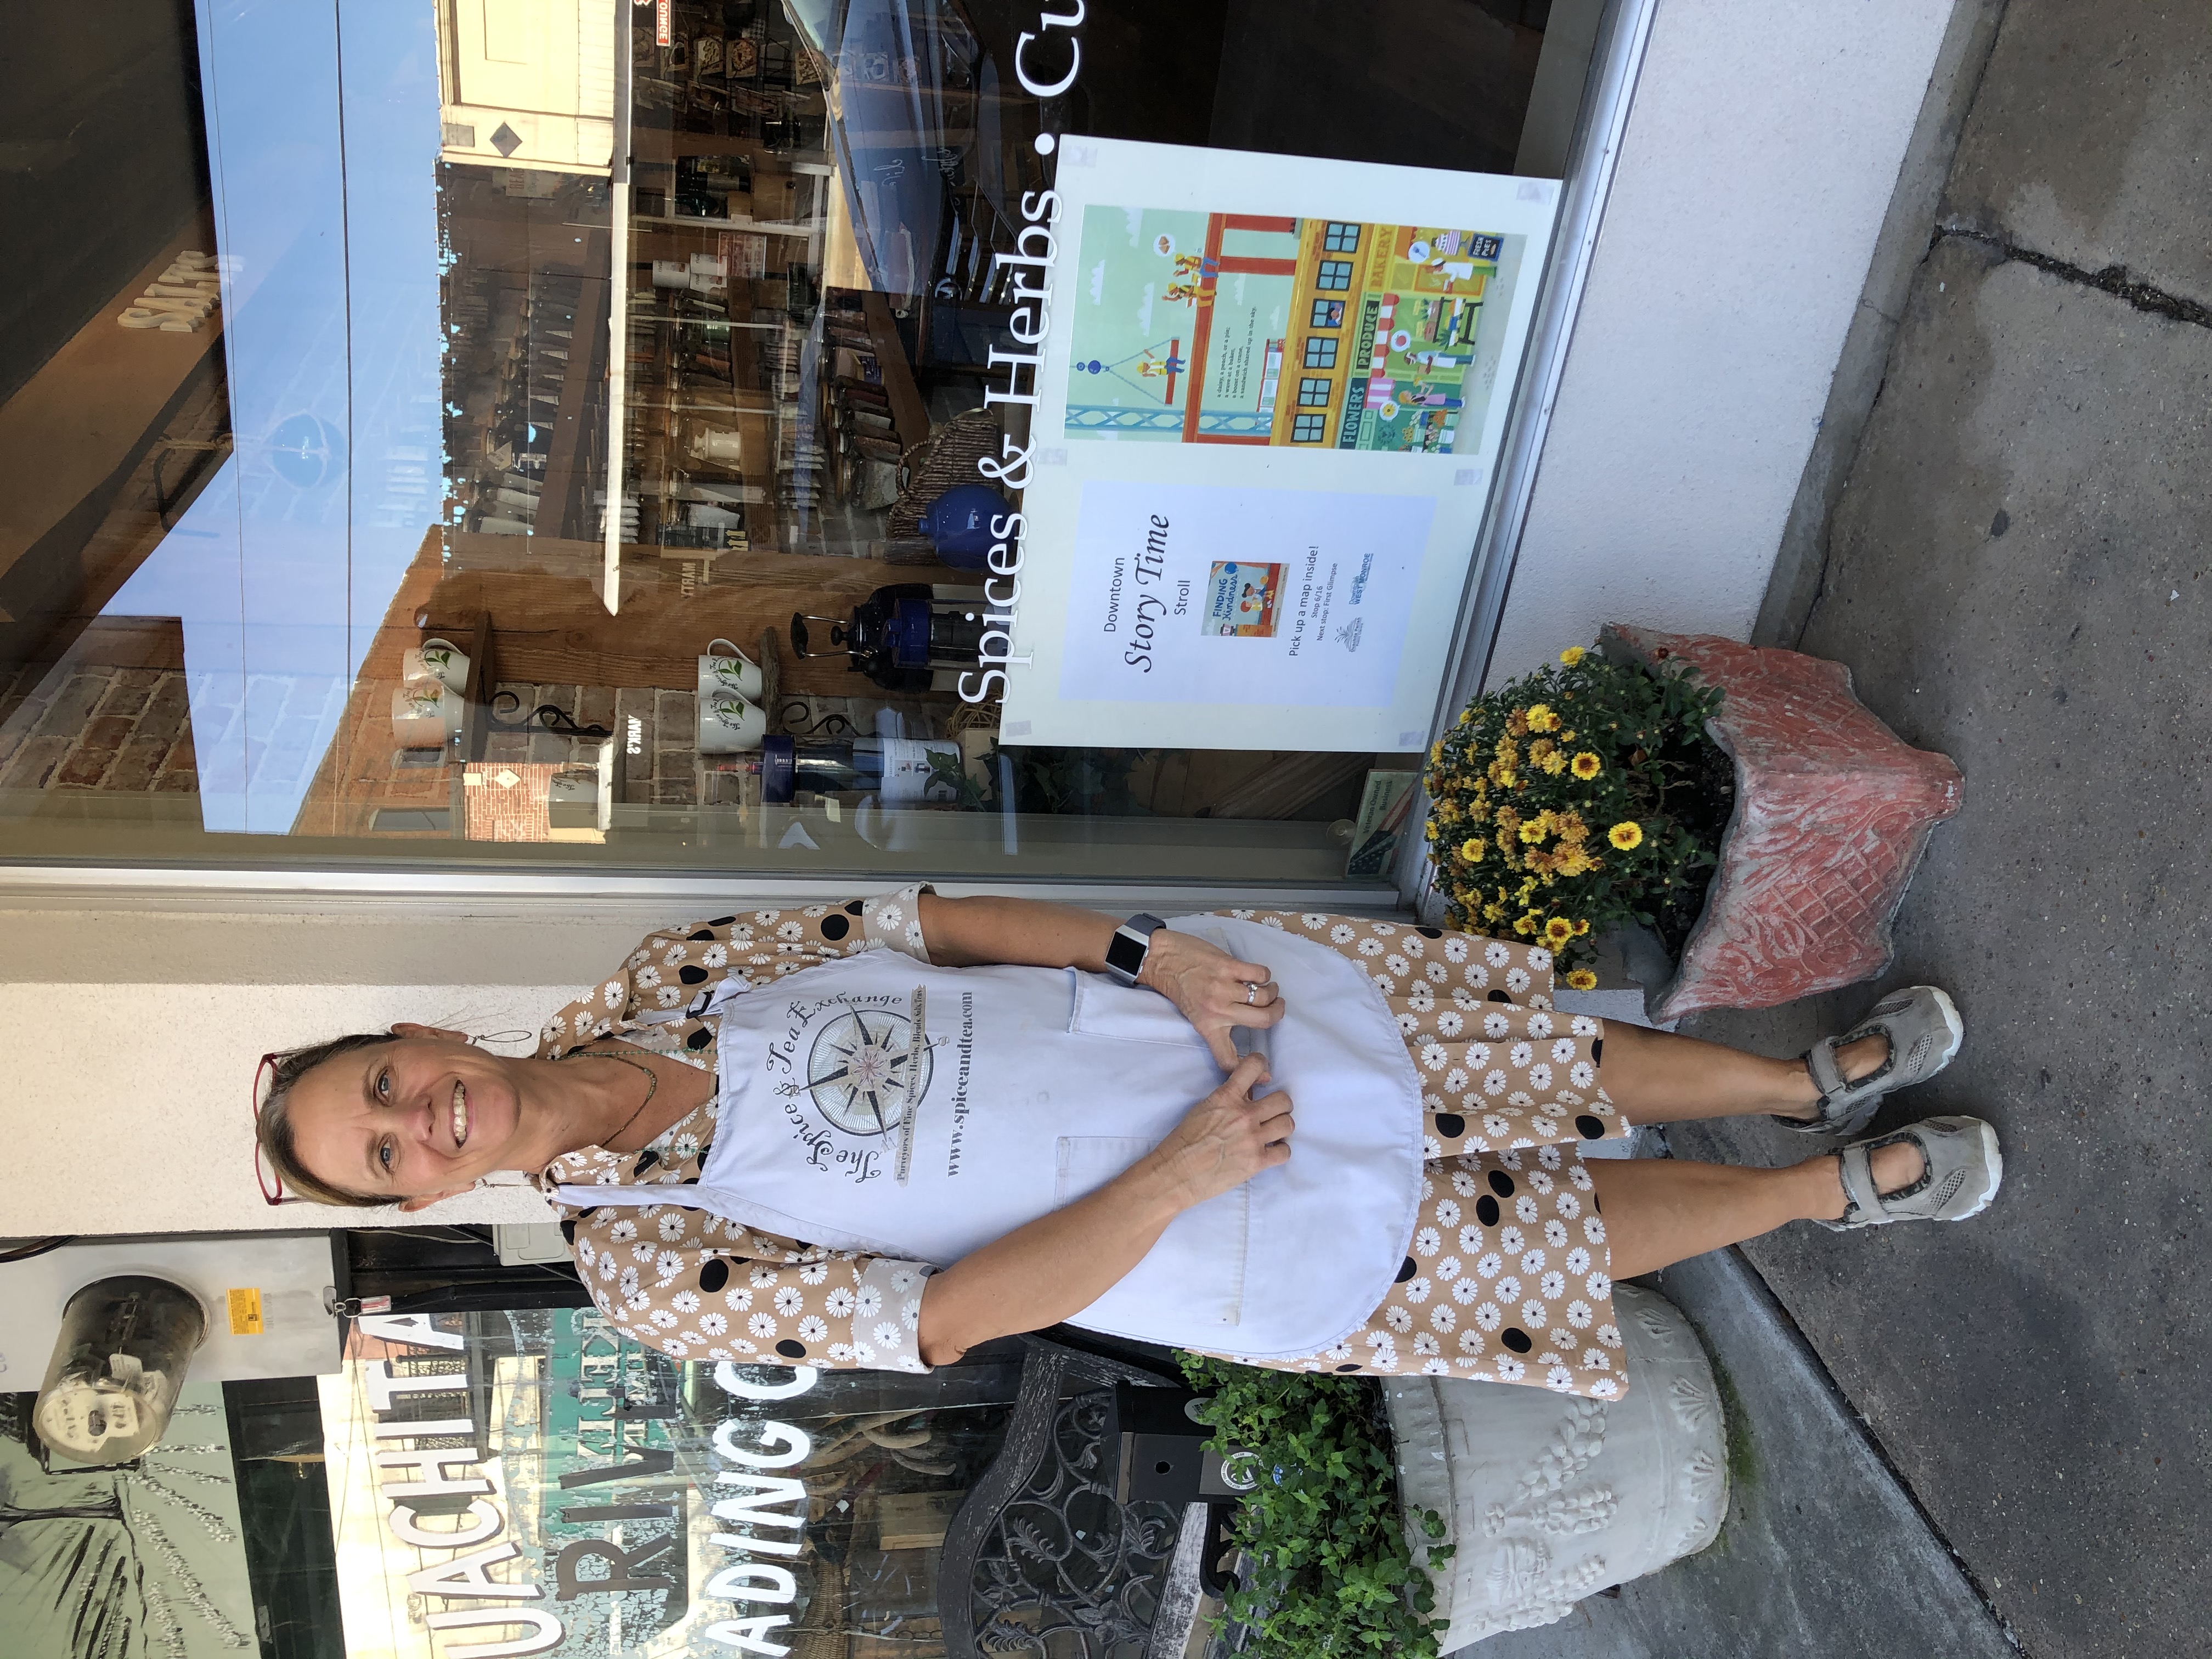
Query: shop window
x=613, y=427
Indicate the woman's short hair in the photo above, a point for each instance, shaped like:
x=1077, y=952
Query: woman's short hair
x=274, y=1129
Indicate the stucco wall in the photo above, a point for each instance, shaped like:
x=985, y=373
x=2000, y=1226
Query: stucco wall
x=126, y=1106
x=1761, y=151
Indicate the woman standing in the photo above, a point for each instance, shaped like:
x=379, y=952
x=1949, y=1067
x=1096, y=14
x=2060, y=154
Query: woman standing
x=770, y=1068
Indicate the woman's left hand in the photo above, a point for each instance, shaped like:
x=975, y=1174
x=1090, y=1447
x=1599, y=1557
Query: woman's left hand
x=1214, y=990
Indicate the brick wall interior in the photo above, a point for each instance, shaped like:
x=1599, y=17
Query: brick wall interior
x=115, y=731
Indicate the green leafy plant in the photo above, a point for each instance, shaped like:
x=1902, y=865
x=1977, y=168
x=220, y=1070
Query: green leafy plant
x=1583, y=795
x=1330, y=1574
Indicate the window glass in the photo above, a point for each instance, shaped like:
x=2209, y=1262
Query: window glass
x=627, y=1491
x=559, y=433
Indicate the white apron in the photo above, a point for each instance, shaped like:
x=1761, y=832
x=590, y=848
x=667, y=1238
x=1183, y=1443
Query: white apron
x=845, y=1121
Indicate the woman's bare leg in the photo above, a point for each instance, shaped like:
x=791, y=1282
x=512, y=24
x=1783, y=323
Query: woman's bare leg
x=1656, y=1077
x=1659, y=1211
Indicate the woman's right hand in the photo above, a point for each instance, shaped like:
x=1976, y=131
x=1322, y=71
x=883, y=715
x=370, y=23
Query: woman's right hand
x=1226, y=1139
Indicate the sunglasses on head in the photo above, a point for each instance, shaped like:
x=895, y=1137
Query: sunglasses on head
x=264, y=1172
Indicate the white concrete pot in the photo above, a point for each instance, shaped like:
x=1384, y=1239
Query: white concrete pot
x=1549, y=1497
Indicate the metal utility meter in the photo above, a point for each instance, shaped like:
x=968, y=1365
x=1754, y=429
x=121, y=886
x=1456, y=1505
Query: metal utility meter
x=117, y=1368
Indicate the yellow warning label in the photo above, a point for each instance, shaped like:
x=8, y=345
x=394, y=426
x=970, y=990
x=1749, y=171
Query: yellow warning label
x=246, y=1313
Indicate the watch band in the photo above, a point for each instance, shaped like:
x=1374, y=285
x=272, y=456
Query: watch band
x=1130, y=944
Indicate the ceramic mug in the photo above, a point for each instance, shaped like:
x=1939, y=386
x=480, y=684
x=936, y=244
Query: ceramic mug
x=425, y=714
x=436, y=659
x=734, y=674
x=729, y=725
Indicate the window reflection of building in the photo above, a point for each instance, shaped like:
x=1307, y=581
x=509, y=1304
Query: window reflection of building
x=527, y=84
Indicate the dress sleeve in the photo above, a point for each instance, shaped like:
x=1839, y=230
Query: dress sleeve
x=668, y=978
x=693, y=1286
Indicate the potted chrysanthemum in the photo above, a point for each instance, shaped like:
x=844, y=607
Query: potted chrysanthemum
x=1739, y=803
x=1576, y=799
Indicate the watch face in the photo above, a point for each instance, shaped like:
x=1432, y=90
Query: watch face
x=1124, y=953
x=860, y=1073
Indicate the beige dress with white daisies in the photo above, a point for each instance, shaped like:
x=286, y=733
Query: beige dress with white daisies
x=1508, y=1276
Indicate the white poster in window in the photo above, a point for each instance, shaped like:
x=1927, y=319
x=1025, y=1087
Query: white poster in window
x=1196, y=593
x=1304, y=368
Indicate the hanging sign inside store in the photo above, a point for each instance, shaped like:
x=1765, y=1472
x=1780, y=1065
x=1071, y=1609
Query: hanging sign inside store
x=534, y=1482
x=1266, y=397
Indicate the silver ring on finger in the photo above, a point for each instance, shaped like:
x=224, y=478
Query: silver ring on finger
x=1251, y=992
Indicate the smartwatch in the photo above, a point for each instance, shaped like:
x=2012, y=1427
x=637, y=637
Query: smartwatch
x=1130, y=944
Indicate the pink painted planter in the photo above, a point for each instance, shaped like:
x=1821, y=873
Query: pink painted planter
x=1832, y=810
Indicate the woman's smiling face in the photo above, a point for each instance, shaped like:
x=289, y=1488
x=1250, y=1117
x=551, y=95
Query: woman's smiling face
x=423, y=1114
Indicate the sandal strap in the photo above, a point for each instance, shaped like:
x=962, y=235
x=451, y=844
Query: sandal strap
x=1827, y=1076
x=1857, y=1163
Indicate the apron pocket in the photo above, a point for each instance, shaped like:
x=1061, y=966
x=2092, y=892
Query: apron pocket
x=1104, y=1007
x=1194, y=1274
x=1086, y=1163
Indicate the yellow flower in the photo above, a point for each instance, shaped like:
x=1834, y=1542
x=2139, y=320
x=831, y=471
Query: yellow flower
x=1527, y=923
x=1582, y=979
x=1626, y=836
x=1436, y=755
x=1587, y=765
x=1471, y=850
x=1558, y=930
x=1571, y=655
x=1535, y=830
x=1493, y=913
x=1541, y=718
x=1581, y=928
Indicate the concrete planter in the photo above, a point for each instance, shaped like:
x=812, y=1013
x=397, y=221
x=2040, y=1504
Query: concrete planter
x=1832, y=811
x=1550, y=1498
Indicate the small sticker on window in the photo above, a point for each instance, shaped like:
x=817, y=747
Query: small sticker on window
x=244, y=1312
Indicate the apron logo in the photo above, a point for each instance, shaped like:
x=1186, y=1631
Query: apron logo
x=862, y=1075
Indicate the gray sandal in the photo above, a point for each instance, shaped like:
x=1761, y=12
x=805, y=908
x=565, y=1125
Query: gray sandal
x=1924, y=1032
x=1964, y=1170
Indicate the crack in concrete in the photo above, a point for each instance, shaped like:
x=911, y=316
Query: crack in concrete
x=2114, y=280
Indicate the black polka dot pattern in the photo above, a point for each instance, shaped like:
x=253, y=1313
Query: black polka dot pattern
x=1504, y=1277
x=1507, y=1280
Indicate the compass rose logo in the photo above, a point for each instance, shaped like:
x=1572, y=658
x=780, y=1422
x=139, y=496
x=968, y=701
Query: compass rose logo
x=860, y=1073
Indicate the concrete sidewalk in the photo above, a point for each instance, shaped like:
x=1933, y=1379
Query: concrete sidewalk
x=2016, y=575
x=2012, y=559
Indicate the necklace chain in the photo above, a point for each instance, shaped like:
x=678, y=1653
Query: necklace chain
x=652, y=1085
